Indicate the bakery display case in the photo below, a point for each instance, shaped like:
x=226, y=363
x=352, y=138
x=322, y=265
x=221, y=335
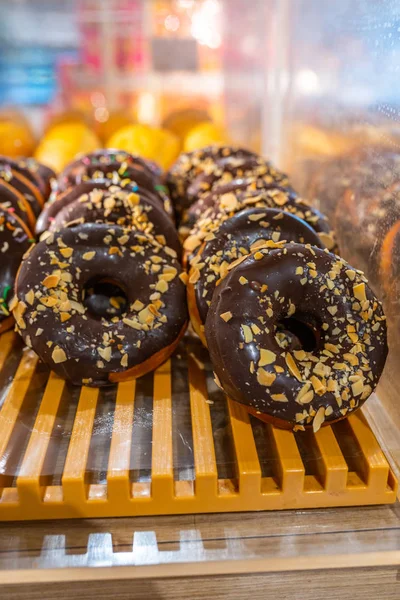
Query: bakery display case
x=161, y=485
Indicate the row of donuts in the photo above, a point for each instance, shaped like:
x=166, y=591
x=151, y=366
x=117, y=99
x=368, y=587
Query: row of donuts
x=101, y=297
x=294, y=332
x=25, y=185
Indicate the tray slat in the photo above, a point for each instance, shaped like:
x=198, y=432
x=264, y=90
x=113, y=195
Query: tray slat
x=374, y=463
x=248, y=464
x=120, y=449
x=290, y=466
x=333, y=467
x=10, y=411
x=28, y=480
x=73, y=479
x=162, y=461
x=203, y=443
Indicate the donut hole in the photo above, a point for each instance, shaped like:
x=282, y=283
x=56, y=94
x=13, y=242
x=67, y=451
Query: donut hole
x=105, y=299
x=298, y=333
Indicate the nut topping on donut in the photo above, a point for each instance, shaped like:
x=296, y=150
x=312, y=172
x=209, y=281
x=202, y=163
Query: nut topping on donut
x=311, y=338
x=56, y=317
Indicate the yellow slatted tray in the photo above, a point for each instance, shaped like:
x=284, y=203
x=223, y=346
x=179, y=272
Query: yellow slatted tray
x=80, y=452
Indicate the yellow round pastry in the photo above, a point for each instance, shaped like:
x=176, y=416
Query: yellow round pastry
x=204, y=134
x=150, y=142
x=63, y=142
x=180, y=122
x=16, y=137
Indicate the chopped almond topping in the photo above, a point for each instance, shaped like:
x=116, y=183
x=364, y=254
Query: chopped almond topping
x=267, y=357
x=137, y=305
x=247, y=333
x=161, y=286
x=133, y=324
x=58, y=355
x=318, y=386
x=279, y=398
x=29, y=297
x=319, y=419
x=265, y=378
x=226, y=316
x=51, y=281
x=291, y=363
x=89, y=255
x=359, y=292
x=105, y=353
x=66, y=252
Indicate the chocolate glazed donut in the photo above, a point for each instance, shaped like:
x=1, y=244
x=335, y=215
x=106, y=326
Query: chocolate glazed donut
x=236, y=186
x=25, y=187
x=52, y=318
x=235, y=239
x=20, y=167
x=115, y=160
x=62, y=200
x=14, y=201
x=278, y=197
x=230, y=168
x=15, y=241
x=126, y=209
x=45, y=173
x=124, y=174
x=191, y=164
x=297, y=336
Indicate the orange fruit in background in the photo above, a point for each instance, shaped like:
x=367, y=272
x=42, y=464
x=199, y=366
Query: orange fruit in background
x=71, y=116
x=110, y=122
x=205, y=134
x=63, y=142
x=180, y=122
x=16, y=136
x=150, y=142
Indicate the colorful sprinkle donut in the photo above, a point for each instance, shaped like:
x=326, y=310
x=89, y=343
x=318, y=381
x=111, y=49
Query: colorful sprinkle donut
x=14, y=201
x=15, y=241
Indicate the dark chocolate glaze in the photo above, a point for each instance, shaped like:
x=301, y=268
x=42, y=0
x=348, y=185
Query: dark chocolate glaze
x=23, y=186
x=126, y=209
x=256, y=355
x=124, y=175
x=229, y=201
x=192, y=164
x=60, y=201
x=236, y=238
x=227, y=169
x=10, y=199
x=45, y=173
x=66, y=336
x=14, y=243
x=109, y=161
x=206, y=201
x=20, y=167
